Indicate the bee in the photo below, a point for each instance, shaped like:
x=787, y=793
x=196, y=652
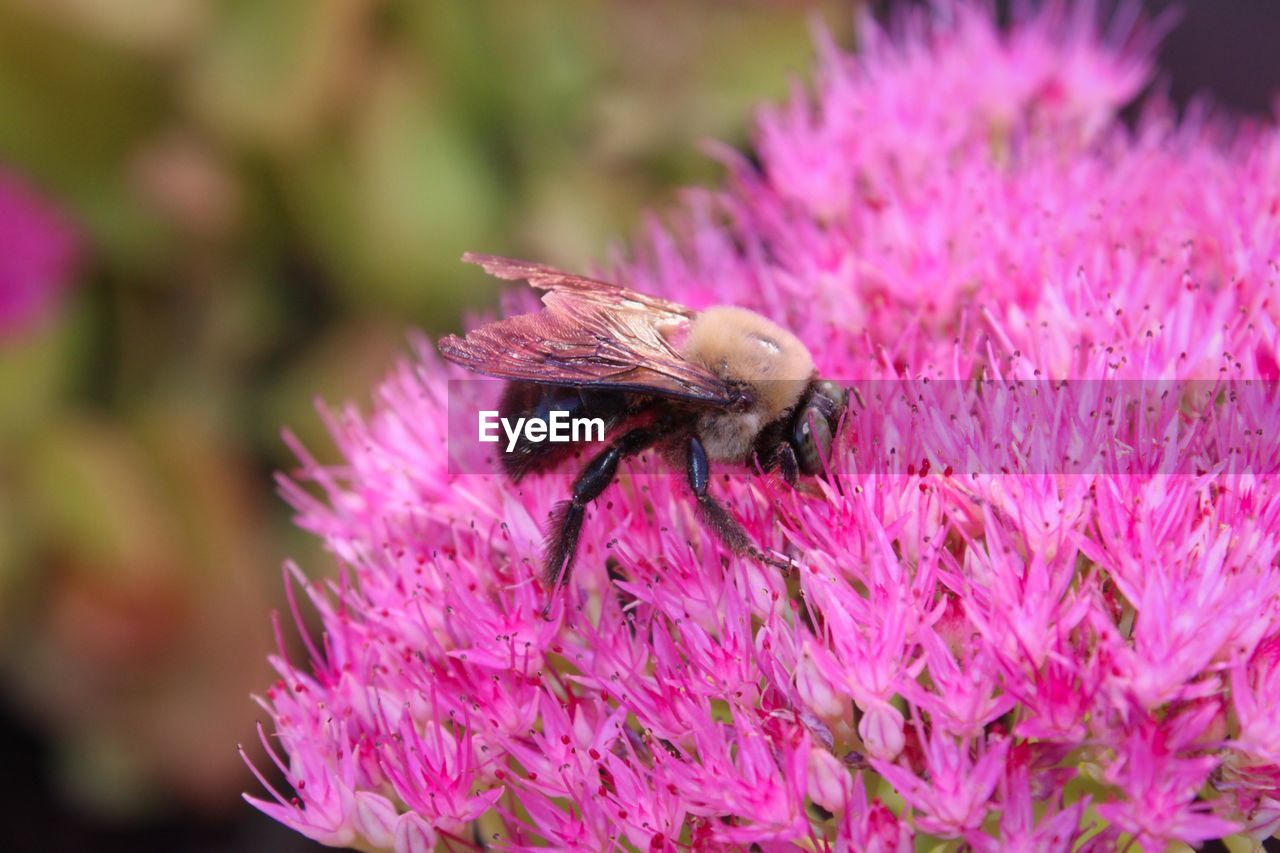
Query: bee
x=722, y=385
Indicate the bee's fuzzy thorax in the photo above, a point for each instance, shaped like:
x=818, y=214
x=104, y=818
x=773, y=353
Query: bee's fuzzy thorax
x=741, y=346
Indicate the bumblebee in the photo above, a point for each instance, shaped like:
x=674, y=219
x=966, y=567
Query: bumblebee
x=721, y=385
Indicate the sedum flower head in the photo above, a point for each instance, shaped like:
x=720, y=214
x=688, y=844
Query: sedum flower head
x=1037, y=601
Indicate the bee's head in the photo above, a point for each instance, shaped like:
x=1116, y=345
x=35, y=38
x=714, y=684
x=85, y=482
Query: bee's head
x=814, y=428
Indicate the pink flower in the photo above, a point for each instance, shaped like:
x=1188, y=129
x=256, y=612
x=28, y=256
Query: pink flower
x=765, y=782
x=1161, y=778
x=1019, y=829
x=38, y=252
x=873, y=827
x=1045, y=557
x=965, y=699
x=953, y=802
x=1255, y=688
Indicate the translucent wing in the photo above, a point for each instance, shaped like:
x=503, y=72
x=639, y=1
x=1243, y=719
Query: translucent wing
x=588, y=333
x=556, y=281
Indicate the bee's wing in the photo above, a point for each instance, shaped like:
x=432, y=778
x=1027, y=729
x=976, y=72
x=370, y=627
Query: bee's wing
x=589, y=333
x=589, y=289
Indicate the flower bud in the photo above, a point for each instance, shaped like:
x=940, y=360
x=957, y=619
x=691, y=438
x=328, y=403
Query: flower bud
x=815, y=690
x=375, y=819
x=830, y=784
x=414, y=835
x=881, y=731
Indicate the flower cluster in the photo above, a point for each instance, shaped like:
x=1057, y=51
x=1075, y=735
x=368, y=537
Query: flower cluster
x=1017, y=656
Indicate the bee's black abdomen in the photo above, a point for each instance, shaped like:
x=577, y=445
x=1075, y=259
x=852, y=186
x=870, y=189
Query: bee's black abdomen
x=520, y=400
x=529, y=400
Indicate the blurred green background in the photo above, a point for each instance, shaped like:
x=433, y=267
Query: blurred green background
x=264, y=196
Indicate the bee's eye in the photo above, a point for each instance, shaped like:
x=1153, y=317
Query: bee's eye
x=811, y=438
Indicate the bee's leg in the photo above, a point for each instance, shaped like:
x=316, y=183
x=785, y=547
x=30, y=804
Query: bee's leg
x=566, y=518
x=724, y=525
x=788, y=465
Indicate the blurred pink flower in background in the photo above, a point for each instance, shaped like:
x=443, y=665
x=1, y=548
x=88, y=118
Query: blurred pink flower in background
x=1025, y=657
x=38, y=253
